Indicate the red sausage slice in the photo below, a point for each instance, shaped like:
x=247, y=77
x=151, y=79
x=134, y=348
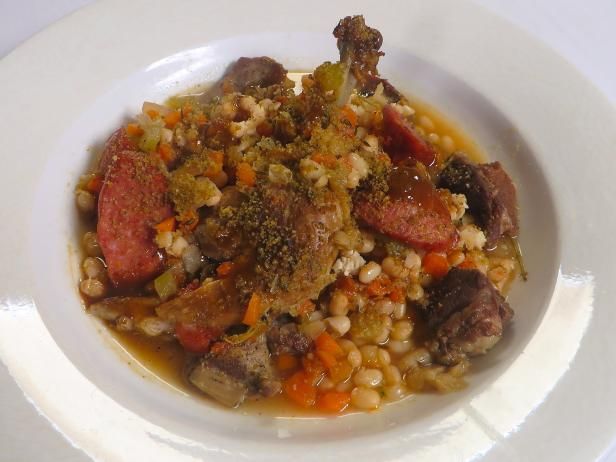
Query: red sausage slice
x=413, y=212
x=116, y=143
x=131, y=202
x=402, y=142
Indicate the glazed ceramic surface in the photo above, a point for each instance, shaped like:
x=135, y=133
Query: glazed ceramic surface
x=545, y=390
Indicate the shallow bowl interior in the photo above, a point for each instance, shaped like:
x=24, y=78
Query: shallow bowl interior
x=87, y=344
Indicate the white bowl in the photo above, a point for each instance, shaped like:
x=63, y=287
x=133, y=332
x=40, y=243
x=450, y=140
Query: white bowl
x=507, y=93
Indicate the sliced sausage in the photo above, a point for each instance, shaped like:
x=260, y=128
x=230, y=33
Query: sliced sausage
x=401, y=140
x=131, y=202
x=413, y=212
x=118, y=141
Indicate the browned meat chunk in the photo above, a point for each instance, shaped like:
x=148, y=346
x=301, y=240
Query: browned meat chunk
x=213, y=307
x=490, y=193
x=253, y=72
x=293, y=240
x=285, y=338
x=467, y=314
x=132, y=200
x=232, y=373
x=359, y=49
x=413, y=213
x=402, y=142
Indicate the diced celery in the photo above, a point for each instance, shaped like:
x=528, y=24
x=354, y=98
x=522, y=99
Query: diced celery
x=150, y=138
x=165, y=285
x=330, y=76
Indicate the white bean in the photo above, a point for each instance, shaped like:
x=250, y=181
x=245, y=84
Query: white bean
x=419, y=357
x=365, y=398
x=369, y=272
x=394, y=392
x=391, y=267
x=412, y=260
x=426, y=122
x=326, y=384
x=352, y=179
x=339, y=304
x=347, y=345
x=339, y=324
x=415, y=292
x=399, y=310
x=368, y=378
x=383, y=357
x=93, y=288
x=354, y=358
x=392, y=375
x=402, y=330
x=369, y=355
x=153, y=326
x=396, y=347
x=313, y=329
x=447, y=144
x=367, y=243
x=93, y=268
x=86, y=201
x=344, y=387
x=385, y=306
x=90, y=244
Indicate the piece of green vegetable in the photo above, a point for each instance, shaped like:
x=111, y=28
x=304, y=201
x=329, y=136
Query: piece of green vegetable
x=165, y=285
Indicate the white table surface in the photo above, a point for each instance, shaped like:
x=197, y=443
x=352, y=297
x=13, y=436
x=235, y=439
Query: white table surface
x=582, y=32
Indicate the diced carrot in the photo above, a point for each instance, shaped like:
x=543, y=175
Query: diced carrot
x=201, y=119
x=349, y=114
x=467, y=264
x=286, y=362
x=95, y=184
x=189, y=220
x=347, y=285
x=253, y=311
x=379, y=287
x=194, y=338
x=245, y=174
x=333, y=401
x=166, y=153
x=172, y=119
x=305, y=307
x=435, y=264
x=215, y=163
x=327, y=358
x=153, y=114
x=166, y=225
x=340, y=372
x=186, y=109
x=224, y=269
x=314, y=368
x=300, y=390
x=134, y=130
x=397, y=294
x=326, y=342
x=219, y=347
x=324, y=159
